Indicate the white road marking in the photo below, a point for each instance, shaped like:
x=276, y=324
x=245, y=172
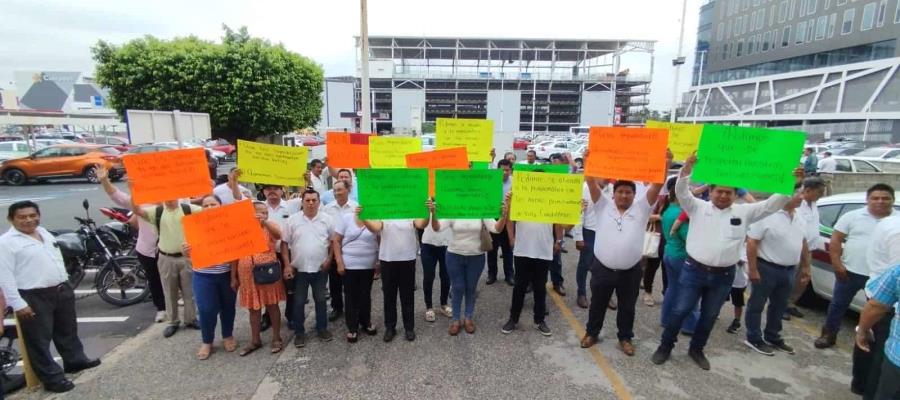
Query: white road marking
x=81, y=320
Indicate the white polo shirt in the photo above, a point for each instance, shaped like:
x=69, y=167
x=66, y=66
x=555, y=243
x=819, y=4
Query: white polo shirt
x=28, y=263
x=827, y=165
x=398, y=241
x=318, y=182
x=714, y=235
x=280, y=214
x=534, y=240
x=780, y=238
x=308, y=240
x=619, y=243
x=439, y=239
x=359, y=246
x=810, y=214
x=223, y=192
x=858, y=226
x=589, y=215
x=337, y=212
x=884, y=251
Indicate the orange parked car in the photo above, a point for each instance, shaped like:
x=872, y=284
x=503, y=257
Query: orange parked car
x=63, y=161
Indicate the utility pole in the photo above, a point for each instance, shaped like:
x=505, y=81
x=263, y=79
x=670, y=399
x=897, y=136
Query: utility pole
x=365, y=124
x=677, y=62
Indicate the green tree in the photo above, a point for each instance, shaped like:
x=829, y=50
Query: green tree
x=248, y=86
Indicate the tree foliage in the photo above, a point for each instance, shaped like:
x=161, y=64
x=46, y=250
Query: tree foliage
x=248, y=86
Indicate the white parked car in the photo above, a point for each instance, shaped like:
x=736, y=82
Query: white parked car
x=15, y=149
x=428, y=142
x=853, y=164
x=830, y=209
x=543, y=151
x=879, y=153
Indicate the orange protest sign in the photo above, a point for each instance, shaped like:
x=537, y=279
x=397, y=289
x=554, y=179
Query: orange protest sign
x=223, y=234
x=347, y=150
x=455, y=158
x=637, y=154
x=168, y=175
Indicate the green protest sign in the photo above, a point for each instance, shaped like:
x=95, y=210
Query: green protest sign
x=393, y=193
x=468, y=194
x=751, y=158
x=480, y=164
x=550, y=168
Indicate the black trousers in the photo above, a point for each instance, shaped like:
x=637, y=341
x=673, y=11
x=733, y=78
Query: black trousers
x=530, y=271
x=398, y=277
x=626, y=284
x=501, y=242
x=152, y=271
x=54, y=320
x=867, y=365
x=889, y=382
x=335, y=287
x=357, y=298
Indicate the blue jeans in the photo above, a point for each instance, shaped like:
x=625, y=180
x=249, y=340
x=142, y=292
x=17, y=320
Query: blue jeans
x=673, y=266
x=711, y=289
x=215, y=299
x=556, y=269
x=432, y=256
x=584, y=261
x=841, y=298
x=464, y=272
x=775, y=285
x=302, y=282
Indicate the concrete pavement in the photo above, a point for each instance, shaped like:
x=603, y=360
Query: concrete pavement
x=488, y=364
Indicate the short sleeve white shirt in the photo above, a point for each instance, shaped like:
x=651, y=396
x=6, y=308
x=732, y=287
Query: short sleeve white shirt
x=359, y=246
x=308, y=239
x=398, y=241
x=467, y=234
x=884, y=251
x=810, y=214
x=223, y=192
x=534, y=240
x=440, y=239
x=858, y=226
x=780, y=237
x=619, y=243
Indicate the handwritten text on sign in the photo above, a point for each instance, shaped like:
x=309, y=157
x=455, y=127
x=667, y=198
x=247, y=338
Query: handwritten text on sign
x=222, y=234
x=393, y=193
x=476, y=135
x=751, y=158
x=270, y=163
x=454, y=158
x=627, y=153
x=390, y=152
x=545, y=197
x=469, y=194
x=347, y=150
x=683, y=138
x=168, y=175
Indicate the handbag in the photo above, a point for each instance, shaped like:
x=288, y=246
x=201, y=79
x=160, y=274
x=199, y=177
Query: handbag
x=487, y=243
x=267, y=273
x=651, y=242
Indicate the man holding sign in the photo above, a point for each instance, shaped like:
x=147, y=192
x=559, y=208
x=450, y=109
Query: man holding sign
x=617, y=254
x=715, y=237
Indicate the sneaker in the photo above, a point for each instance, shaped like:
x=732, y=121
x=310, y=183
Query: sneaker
x=734, y=327
x=429, y=315
x=447, y=311
x=648, y=300
x=781, y=346
x=300, y=340
x=543, y=328
x=325, y=335
x=160, y=316
x=760, y=347
x=660, y=356
x=699, y=358
x=508, y=327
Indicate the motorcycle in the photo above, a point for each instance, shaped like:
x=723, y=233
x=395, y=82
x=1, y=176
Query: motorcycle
x=120, y=279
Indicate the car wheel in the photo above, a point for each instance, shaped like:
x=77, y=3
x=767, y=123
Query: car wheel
x=90, y=173
x=15, y=177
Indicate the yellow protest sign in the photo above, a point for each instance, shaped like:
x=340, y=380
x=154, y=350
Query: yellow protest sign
x=683, y=138
x=546, y=197
x=390, y=152
x=476, y=135
x=270, y=163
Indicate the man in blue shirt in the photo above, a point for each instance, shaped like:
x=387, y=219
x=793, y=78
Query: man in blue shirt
x=811, y=163
x=885, y=291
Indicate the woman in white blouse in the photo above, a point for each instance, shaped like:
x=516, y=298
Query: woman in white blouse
x=465, y=261
x=355, y=250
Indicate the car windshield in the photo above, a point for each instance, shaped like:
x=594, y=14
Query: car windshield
x=110, y=150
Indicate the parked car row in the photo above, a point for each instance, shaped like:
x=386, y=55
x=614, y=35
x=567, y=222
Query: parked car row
x=63, y=161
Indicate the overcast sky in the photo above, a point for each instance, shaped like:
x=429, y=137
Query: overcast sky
x=57, y=34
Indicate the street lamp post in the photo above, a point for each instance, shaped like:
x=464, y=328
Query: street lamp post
x=677, y=62
x=365, y=122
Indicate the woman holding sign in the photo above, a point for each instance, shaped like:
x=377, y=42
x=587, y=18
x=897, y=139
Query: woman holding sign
x=465, y=260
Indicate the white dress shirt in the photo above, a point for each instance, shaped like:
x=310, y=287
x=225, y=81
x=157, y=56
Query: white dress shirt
x=827, y=165
x=780, y=238
x=28, y=263
x=308, y=239
x=280, y=214
x=507, y=186
x=467, y=234
x=857, y=225
x=226, y=196
x=621, y=244
x=318, y=182
x=398, y=241
x=884, y=251
x=337, y=212
x=534, y=240
x=715, y=235
x=810, y=214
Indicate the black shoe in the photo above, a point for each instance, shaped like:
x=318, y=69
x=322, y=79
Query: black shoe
x=265, y=323
x=510, y=282
x=785, y=317
x=61, y=386
x=300, y=340
x=734, y=327
x=334, y=315
x=72, y=369
x=193, y=325
x=660, y=356
x=794, y=312
x=325, y=335
x=410, y=335
x=389, y=334
x=760, y=347
x=170, y=330
x=508, y=327
x=491, y=280
x=543, y=328
x=699, y=358
x=781, y=346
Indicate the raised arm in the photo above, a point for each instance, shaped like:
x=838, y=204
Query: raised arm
x=103, y=177
x=233, y=177
x=682, y=187
x=653, y=191
x=435, y=224
x=274, y=229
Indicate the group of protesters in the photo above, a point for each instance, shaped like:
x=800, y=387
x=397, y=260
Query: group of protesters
x=714, y=242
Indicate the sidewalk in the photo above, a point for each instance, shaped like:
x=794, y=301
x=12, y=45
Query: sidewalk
x=486, y=365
